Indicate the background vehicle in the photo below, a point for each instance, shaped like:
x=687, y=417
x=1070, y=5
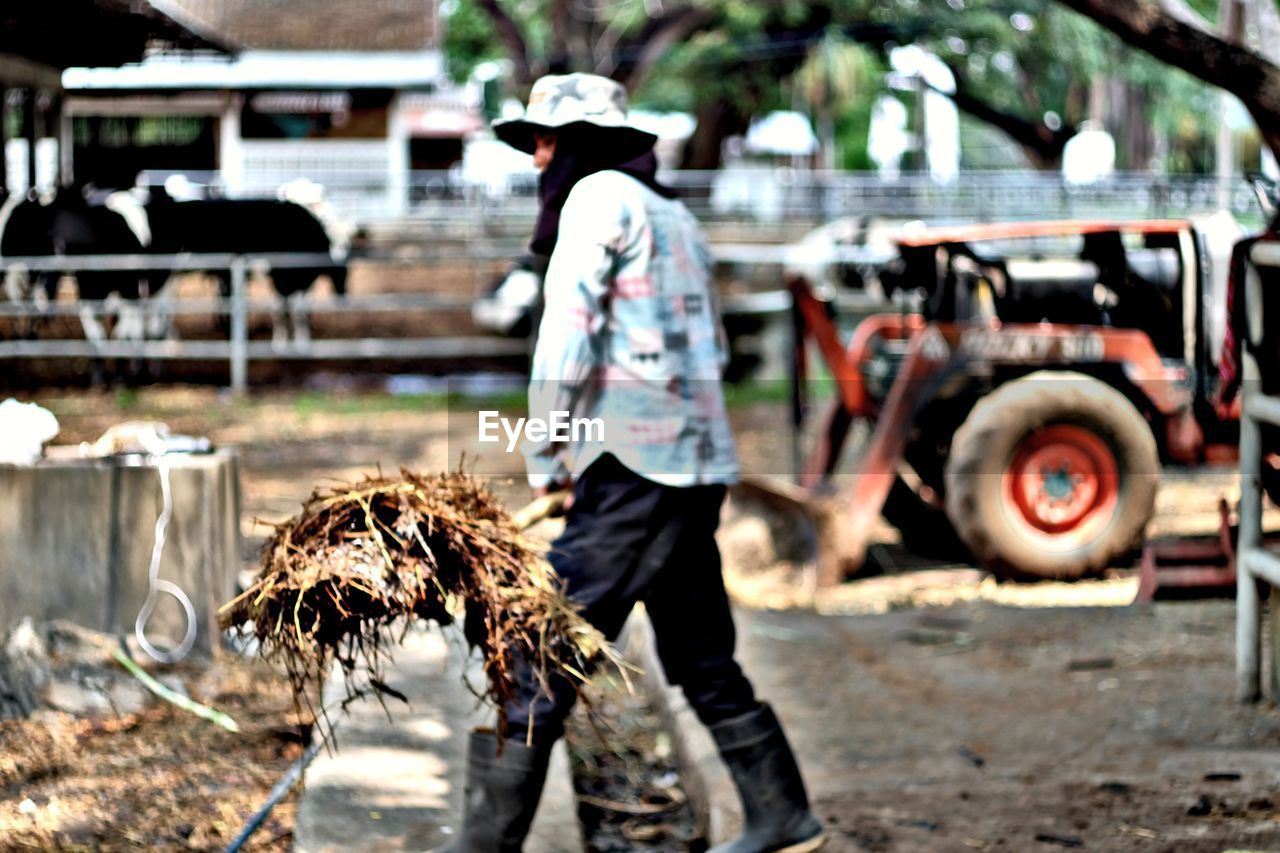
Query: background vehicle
x=1025, y=410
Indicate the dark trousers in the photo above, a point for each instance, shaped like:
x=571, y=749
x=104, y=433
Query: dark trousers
x=626, y=540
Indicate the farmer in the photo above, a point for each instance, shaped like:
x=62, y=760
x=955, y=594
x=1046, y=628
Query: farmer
x=631, y=337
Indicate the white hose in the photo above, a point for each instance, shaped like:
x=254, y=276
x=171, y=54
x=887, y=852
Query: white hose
x=156, y=585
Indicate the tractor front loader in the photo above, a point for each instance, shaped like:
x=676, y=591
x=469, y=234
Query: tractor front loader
x=1023, y=414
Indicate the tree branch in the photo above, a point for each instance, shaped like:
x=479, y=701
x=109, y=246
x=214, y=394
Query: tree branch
x=1040, y=142
x=512, y=39
x=1266, y=17
x=1042, y=145
x=637, y=55
x=558, y=52
x=1182, y=10
x=1198, y=50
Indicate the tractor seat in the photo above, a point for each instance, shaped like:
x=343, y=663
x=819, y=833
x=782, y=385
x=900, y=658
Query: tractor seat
x=1039, y=278
x=1157, y=267
x=1053, y=291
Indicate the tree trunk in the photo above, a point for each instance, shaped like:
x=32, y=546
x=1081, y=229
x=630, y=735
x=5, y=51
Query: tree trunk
x=1042, y=146
x=1176, y=36
x=1135, y=137
x=636, y=56
x=717, y=121
x=512, y=39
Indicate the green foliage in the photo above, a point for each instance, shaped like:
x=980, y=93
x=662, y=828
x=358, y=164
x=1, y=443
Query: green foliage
x=1182, y=112
x=1027, y=58
x=851, y=125
x=469, y=38
x=984, y=147
x=839, y=82
x=1032, y=59
x=835, y=71
x=714, y=66
x=1208, y=9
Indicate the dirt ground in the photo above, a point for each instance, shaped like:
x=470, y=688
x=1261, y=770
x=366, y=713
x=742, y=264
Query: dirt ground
x=987, y=727
x=1010, y=694
x=452, y=280
x=625, y=777
x=161, y=779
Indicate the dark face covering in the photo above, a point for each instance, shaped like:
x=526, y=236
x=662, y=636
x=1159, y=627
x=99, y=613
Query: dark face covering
x=572, y=162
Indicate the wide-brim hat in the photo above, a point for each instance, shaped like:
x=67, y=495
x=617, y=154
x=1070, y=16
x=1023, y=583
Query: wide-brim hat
x=584, y=105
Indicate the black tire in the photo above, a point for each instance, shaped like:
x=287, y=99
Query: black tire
x=1010, y=423
x=926, y=530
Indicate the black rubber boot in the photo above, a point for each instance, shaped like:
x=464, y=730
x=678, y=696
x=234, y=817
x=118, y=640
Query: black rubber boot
x=775, y=808
x=501, y=794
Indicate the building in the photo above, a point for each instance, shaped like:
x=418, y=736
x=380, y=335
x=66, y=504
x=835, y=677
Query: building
x=38, y=41
x=352, y=95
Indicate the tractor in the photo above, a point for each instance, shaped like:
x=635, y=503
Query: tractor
x=1023, y=404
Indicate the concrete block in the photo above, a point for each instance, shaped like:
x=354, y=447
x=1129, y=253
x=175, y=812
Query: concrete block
x=76, y=537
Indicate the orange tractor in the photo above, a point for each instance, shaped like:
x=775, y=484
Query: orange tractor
x=1023, y=408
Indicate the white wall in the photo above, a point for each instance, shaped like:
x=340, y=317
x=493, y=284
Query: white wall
x=355, y=173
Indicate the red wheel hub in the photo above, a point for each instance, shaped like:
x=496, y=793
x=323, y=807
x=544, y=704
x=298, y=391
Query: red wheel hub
x=1063, y=483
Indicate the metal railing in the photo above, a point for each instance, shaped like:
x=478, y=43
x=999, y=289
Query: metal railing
x=237, y=350
x=1256, y=566
x=454, y=200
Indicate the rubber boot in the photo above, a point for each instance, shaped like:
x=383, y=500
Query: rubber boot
x=501, y=794
x=775, y=808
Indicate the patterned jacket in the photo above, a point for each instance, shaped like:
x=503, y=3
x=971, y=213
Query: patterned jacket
x=631, y=336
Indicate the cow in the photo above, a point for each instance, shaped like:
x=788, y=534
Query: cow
x=81, y=221
x=24, y=230
x=86, y=220
x=248, y=227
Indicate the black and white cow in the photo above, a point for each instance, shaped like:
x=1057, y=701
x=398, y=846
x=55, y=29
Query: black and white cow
x=253, y=226
x=24, y=230
x=88, y=222
x=73, y=222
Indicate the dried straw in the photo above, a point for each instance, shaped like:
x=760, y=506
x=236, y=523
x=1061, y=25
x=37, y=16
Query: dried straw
x=345, y=579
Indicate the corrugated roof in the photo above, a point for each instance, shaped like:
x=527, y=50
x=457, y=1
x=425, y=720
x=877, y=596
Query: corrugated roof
x=268, y=69
x=347, y=25
x=61, y=33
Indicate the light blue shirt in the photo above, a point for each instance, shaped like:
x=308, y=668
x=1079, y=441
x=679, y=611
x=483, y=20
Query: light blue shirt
x=631, y=340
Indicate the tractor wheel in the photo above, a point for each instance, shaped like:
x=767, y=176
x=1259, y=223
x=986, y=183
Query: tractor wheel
x=1052, y=476
x=926, y=530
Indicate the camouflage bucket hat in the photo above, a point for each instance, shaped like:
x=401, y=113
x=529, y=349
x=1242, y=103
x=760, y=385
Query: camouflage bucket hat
x=588, y=105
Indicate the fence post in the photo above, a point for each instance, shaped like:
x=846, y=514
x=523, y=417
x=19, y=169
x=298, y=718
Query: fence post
x=1248, y=606
x=239, y=329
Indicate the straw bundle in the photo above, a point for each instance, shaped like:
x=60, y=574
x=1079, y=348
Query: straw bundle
x=367, y=558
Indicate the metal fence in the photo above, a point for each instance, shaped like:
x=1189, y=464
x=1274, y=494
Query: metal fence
x=486, y=223
x=455, y=202
x=1256, y=566
x=238, y=351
